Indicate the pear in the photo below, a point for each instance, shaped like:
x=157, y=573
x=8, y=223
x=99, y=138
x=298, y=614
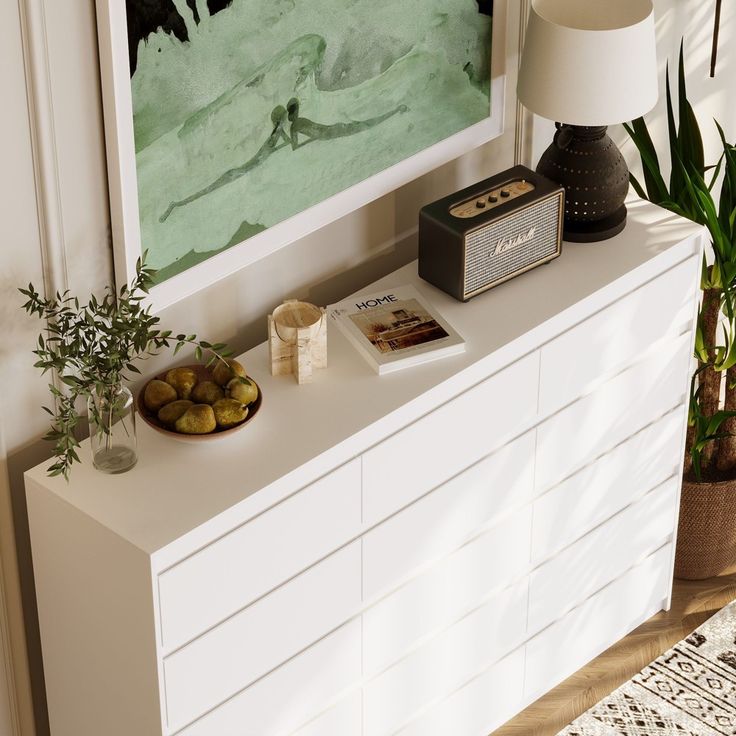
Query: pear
x=224, y=372
x=157, y=394
x=229, y=412
x=207, y=392
x=183, y=380
x=197, y=419
x=171, y=412
x=242, y=389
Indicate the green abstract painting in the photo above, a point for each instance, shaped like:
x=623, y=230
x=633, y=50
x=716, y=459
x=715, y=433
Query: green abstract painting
x=247, y=112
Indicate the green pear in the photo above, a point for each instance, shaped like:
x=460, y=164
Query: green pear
x=242, y=389
x=157, y=394
x=222, y=373
x=229, y=412
x=207, y=392
x=169, y=413
x=197, y=419
x=183, y=380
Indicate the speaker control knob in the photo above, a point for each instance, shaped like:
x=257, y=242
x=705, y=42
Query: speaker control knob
x=480, y=204
x=505, y=193
x=493, y=199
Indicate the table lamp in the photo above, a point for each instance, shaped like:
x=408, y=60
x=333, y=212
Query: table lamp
x=588, y=64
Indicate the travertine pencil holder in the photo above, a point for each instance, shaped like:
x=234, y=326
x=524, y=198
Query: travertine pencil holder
x=297, y=339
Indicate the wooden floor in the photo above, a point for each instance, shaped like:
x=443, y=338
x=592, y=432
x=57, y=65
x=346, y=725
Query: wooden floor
x=693, y=602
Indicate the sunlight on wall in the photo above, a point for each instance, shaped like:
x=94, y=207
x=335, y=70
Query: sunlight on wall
x=711, y=98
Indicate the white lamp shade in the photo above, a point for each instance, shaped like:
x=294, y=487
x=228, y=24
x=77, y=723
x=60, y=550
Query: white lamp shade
x=589, y=62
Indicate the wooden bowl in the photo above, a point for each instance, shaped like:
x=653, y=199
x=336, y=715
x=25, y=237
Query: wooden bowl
x=203, y=374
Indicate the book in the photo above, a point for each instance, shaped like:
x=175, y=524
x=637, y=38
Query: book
x=395, y=328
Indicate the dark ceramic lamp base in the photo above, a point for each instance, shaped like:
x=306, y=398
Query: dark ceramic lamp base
x=595, y=230
x=596, y=179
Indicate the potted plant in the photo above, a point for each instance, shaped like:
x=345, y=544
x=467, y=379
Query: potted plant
x=707, y=526
x=93, y=348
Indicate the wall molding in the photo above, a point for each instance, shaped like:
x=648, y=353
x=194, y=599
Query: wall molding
x=43, y=143
x=524, y=118
x=34, y=40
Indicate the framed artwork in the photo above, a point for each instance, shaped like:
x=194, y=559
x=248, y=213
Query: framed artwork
x=234, y=127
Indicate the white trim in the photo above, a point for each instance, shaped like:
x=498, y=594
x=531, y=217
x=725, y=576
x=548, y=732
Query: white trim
x=524, y=118
x=117, y=98
x=43, y=142
x=51, y=238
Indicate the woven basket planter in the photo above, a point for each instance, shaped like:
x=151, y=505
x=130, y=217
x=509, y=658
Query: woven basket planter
x=706, y=534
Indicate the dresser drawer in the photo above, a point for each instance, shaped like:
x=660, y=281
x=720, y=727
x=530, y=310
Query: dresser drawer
x=446, y=662
x=439, y=596
x=343, y=719
x=591, y=628
x=613, y=413
x=594, y=494
x=602, y=555
x=442, y=520
x=224, y=577
x=449, y=440
x=484, y=704
x=290, y=696
x=615, y=336
x=259, y=638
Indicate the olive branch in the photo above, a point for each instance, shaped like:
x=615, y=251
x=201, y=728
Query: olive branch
x=93, y=347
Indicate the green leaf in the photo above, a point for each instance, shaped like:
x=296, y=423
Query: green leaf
x=690, y=141
x=656, y=188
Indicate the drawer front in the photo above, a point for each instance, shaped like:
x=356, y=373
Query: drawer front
x=448, y=440
x=603, y=488
x=259, y=638
x=615, y=336
x=343, y=719
x=603, y=555
x=590, y=629
x=443, y=594
x=613, y=413
x=446, y=662
x=442, y=520
x=481, y=706
x=290, y=696
x=221, y=579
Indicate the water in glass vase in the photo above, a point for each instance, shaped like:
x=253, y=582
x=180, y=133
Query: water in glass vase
x=112, y=429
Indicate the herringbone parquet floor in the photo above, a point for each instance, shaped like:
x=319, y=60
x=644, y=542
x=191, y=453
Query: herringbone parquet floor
x=693, y=602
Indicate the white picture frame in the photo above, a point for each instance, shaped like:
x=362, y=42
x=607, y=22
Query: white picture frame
x=122, y=179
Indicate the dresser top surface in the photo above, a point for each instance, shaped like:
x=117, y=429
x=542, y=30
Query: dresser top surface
x=302, y=432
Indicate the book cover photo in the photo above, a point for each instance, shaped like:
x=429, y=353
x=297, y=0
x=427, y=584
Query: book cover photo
x=395, y=329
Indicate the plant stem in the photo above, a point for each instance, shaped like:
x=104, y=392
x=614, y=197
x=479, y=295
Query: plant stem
x=689, y=442
x=726, y=458
x=710, y=378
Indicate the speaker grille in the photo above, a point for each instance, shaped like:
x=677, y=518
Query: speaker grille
x=484, y=267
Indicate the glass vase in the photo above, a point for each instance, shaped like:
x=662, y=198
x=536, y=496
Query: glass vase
x=112, y=429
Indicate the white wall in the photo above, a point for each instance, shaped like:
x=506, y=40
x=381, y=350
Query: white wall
x=322, y=267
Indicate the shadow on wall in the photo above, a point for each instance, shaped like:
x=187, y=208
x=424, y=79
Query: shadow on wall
x=17, y=463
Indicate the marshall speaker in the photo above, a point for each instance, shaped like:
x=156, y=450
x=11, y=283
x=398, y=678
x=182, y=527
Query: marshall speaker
x=490, y=232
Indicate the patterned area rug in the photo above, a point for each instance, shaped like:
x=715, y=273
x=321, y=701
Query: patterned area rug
x=689, y=691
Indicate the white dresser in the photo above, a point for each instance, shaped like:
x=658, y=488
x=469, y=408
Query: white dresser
x=422, y=553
